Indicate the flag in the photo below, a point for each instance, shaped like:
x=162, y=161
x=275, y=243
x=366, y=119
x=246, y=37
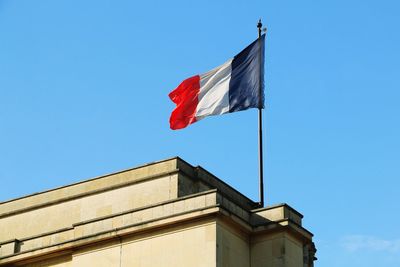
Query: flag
x=236, y=85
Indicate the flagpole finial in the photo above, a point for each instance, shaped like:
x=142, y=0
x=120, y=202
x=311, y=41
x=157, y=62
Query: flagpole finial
x=259, y=26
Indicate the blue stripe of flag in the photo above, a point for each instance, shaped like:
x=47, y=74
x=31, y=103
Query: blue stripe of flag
x=245, y=90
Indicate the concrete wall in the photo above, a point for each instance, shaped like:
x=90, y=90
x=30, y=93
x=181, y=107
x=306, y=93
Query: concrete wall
x=276, y=250
x=63, y=261
x=197, y=244
x=232, y=247
x=98, y=184
x=191, y=245
x=166, y=214
x=65, y=214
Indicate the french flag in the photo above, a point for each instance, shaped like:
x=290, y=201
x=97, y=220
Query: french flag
x=236, y=85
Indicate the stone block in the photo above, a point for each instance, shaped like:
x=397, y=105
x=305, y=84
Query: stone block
x=211, y=199
x=8, y=248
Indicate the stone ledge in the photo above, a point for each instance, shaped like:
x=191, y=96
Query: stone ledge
x=139, y=218
x=128, y=230
x=142, y=217
x=122, y=179
x=90, y=186
x=274, y=213
x=171, y=212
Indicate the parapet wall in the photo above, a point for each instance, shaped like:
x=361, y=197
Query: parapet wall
x=160, y=195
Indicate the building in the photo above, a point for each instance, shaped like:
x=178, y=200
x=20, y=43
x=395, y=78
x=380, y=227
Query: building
x=166, y=213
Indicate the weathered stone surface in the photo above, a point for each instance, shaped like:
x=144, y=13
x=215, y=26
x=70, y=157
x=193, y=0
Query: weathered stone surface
x=166, y=213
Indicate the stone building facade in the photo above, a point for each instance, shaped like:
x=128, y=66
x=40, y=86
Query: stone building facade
x=163, y=214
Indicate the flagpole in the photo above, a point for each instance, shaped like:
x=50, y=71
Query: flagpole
x=260, y=139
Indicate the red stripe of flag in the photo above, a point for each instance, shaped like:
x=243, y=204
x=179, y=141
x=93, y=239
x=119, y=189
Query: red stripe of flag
x=185, y=96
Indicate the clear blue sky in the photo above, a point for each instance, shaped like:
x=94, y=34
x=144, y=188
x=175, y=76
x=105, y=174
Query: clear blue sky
x=84, y=85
